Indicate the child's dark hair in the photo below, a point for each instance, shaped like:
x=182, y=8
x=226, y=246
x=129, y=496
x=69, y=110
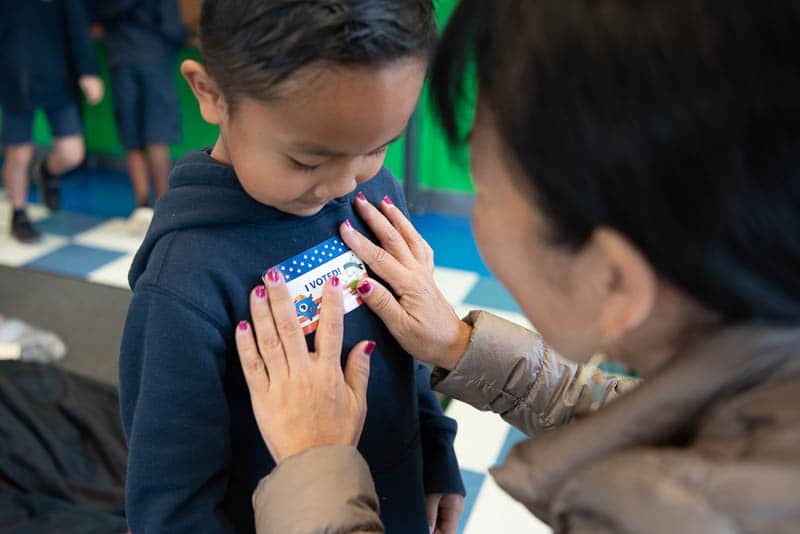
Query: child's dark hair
x=675, y=122
x=252, y=46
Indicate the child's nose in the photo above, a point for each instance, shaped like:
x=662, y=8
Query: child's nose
x=367, y=168
x=359, y=170
x=338, y=187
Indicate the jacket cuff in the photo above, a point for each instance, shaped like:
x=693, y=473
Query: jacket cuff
x=318, y=490
x=440, y=471
x=484, y=377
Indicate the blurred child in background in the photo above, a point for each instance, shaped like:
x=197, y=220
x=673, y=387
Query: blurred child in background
x=47, y=51
x=142, y=39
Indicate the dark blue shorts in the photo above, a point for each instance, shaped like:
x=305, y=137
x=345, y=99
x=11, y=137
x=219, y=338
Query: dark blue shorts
x=18, y=126
x=145, y=104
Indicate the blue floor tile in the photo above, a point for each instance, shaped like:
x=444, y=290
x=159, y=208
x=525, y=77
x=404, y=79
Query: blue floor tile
x=472, y=483
x=101, y=194
x=74, y=260
x=105, y=194
x=68, y=224
x=514, y=436
x=451, y=239
x=490, y=293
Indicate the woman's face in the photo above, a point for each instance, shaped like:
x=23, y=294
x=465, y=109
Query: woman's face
x=511, y=235
x=603, y=297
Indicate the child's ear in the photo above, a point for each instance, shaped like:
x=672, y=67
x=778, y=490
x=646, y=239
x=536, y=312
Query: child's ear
x=213, y=107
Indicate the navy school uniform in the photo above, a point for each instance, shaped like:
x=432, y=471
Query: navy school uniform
x=196, y=453
x=45, y=47
x=142, y=40
x=141, y=31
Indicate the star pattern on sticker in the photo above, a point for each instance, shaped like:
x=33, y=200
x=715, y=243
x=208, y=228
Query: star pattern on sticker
x=312, y=258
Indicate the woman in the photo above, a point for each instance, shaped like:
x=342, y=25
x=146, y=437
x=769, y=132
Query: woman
x=636, y=168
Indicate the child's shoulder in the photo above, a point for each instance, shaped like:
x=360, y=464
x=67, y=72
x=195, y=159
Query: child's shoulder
x=197, y=268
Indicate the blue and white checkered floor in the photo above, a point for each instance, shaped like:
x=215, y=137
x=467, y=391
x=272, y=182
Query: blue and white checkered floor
x=100, y=249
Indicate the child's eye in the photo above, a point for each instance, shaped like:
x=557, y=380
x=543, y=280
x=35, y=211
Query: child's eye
x=302, y=166
x=381, y=151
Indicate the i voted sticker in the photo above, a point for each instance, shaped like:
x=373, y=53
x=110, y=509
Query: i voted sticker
x=306, y=273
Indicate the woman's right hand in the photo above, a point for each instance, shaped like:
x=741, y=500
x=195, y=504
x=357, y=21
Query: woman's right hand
x=420, y=318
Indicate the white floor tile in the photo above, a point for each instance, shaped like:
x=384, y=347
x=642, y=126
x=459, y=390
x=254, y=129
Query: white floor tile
x=455, y=284
x=112, y=235
x=480, y=436
x=495, y=511
x=15, y=254
x=114, y=273
x=37, y=212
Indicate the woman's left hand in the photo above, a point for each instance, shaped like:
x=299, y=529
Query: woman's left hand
x=302, y=399
x=416, y=312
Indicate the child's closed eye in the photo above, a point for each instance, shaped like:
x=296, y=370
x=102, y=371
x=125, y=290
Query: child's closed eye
x=304, y=167
x=311, y=168
x=380, y=152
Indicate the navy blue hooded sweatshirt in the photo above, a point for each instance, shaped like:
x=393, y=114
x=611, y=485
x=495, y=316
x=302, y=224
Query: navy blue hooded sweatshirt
x=196, y=453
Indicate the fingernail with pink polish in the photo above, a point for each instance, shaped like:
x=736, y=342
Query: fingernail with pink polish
x=274, y=276
x=362, y=197
x=261, y=292
x=365, y=288
x=335, y=281
x=348, y=223
x=388, y=201
x=369, y=348
x=243, y=325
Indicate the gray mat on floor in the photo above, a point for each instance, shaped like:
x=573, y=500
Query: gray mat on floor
x=88, y=317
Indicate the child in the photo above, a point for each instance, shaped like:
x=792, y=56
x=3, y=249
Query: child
x=307, y=95
x=142, y=40
x=46, y=49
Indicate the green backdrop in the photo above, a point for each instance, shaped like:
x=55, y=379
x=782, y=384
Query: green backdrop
x=438, y=168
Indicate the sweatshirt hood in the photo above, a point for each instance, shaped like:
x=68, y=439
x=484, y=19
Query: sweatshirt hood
x=202, y=193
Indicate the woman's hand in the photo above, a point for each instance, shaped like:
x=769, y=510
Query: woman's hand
x=420, y=318
x=302, y=400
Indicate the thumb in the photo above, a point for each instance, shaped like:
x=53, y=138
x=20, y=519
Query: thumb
x=356, y=371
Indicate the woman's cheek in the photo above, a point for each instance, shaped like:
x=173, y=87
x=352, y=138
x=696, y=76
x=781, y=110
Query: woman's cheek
x=487, y=237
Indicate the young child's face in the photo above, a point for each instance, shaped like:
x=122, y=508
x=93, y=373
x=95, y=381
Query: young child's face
x=326, y=135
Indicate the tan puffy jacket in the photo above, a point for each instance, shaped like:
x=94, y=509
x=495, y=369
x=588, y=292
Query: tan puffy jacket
x=709, y=444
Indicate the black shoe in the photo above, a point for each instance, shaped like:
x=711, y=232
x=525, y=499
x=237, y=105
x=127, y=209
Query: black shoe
x=22, y=229
x=49, y=187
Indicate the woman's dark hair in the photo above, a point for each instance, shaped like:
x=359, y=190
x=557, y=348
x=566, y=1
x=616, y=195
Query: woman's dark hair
x=252, y=46
x=675, y=122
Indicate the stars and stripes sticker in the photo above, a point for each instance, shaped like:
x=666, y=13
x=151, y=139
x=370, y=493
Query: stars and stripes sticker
x=307, y=272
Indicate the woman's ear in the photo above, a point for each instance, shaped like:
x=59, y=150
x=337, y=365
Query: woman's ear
x=631, y=285
x=213, y=107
